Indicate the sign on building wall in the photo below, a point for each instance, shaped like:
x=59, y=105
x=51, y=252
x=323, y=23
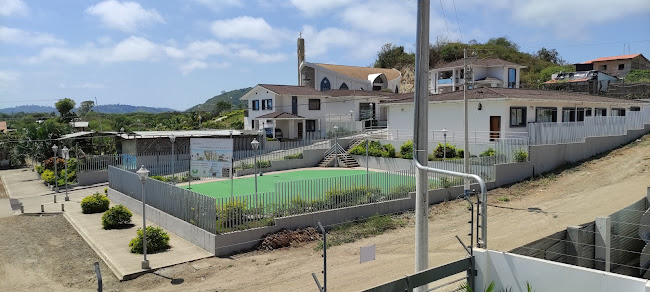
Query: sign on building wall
x=210, y=157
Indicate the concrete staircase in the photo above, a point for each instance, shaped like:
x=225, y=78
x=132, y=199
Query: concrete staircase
x=344, y=157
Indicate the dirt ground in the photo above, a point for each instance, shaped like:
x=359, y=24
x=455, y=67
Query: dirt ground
x=576, y=195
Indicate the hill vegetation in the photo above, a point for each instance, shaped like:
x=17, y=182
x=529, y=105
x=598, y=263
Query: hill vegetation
x=231, y=97
x=107, y=108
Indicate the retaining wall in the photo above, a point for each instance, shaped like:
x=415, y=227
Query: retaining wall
x=191, y=233
x=92, y=177
x=310, y=158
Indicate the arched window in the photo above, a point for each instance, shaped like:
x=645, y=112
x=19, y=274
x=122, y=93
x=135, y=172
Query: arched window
x=325, y=84
x=396, y=89
x=344, y=86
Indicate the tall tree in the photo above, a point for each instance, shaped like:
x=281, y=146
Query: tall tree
x=221, y=106
x=392, y=56
x=549, y=55
x=85, y=107
x=64, y=106
x=504, y=42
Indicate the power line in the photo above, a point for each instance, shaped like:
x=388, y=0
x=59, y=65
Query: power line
x=445, y=18
x=458, y=22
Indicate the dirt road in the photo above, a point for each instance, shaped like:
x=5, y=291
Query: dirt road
x=574, y=196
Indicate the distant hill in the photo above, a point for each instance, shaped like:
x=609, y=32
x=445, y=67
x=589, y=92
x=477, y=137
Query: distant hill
x=230, y=96
x=28, y=109
x=105, y=108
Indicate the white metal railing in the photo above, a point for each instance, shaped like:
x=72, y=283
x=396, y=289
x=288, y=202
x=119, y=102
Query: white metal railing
x=451, y=136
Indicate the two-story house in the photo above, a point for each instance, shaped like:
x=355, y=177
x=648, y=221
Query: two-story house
x=299, y=111
x=487, y=73
x=618, y=66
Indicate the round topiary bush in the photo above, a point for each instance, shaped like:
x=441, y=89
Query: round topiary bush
x=96, y=203
x=116, y=217
x=157, y=240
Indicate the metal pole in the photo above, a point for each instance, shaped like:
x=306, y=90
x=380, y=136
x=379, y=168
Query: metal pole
x=56, y=173
x=444, y=149
x=145, y=262
x=367, y=171
x=320, y=226
x=98, y=273
x=336, y=148
x=173, y=158
x=66, y=178
x=189, y=175
x=466, y=125
x=232, y=172
x=256, y=179
x=421, y=122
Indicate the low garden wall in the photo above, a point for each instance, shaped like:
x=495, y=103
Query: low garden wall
x=92, y=177
x=310, y=158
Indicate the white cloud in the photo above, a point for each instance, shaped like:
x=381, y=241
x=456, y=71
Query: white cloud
x=312, y=7
x=124, y=16
x=250, y=28
x=257, y=57
x=13, y=7
x=217, y=5
x=203, y=49
x=382, y=17
x=557, y=12
x=21, y=37
x=134, y=49
x=8, y=76
x=192, y=65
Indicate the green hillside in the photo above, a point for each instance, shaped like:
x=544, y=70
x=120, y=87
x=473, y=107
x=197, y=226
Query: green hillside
x=230, y=96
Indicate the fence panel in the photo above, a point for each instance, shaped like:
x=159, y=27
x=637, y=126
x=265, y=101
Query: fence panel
x=189, y=206
x=90, y=163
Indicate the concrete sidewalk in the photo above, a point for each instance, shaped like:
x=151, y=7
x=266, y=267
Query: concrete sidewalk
x=111, y=245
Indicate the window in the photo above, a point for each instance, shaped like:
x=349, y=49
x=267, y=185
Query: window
x=245, y=113
x=366, y=111
x=267, y=104
x=580, y=114
x=568, y=114
x=600, y=112
x=621, y=66
x=618, y=112
x=344, y=86
x=545, y=114
x=310, y=125
x=517, y=116
x=512, y=77
x=325, y=84
x=255, y=105
x=588, y=112
x=314, y=104
x=635, y=109
x=603, y=67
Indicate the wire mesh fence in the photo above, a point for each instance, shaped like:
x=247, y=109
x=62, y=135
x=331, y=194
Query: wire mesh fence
x=189, y=206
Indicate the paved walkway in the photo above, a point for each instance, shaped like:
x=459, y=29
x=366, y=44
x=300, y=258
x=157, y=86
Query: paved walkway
x=111, y=245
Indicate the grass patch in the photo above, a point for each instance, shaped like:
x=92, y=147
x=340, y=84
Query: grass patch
x=353, y=231
x=504, y=199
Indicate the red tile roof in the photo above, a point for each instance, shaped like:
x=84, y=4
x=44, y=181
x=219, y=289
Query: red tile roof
x=511, y=93
x=621, y=57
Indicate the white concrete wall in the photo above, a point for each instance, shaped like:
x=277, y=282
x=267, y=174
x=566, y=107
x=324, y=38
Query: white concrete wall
x=511, y=271
x=259, y=93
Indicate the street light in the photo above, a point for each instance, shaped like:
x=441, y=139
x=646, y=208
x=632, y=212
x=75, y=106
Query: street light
x=232, y=163
x=172, y=138
x=367, y=171
x=444, y=151
x=66, y=155
x=55, y=149
x=143, y=173
x=336, y=144
x=259, y=134
x=255, y=144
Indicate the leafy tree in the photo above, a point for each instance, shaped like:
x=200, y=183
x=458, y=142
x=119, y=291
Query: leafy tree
x=85, y=107
x=549, y=55
x=222, y=106
x=504, y=42
x=64, y=106
x=392, y=56
x=451, y=52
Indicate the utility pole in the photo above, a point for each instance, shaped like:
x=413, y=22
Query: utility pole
x=421, y=123
x=466, y=124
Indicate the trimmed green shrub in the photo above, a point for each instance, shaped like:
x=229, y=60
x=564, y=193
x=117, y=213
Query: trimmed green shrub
x=264, y=164
x=521, y=156
x=48, y=176
x=489, y=152
x=40, y=169
x=49, y=163
x=116, y=217
x=450, y=150
x=157, y=240
x=231, y=213
x=406, y=150
x=293, y=156
x=374, y=149
x=390, y=149
x=352, y=196
x=460, y=153
x=95, y=203
x=161, y=178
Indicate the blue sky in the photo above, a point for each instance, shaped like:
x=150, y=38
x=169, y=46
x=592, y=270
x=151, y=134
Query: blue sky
x=179, y=53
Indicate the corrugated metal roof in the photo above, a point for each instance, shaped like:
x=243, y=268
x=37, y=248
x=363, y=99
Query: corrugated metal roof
x=191, y=133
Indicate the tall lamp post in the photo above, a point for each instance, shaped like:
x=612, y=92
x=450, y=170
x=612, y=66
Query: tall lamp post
x=66, y=155
x=255, y=144
x=172, y=139
x=55, y=149
x=259, y=152
x=444, y=151
x=367, y=170
x=336, y=146
x=232, y=173
x=143, y=173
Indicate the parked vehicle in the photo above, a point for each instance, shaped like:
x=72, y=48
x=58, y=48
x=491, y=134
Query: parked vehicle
x=269, y=133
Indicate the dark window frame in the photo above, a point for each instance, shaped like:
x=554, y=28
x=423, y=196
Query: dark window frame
x=310, y=126
x=589, y=112
x=620, y=112
x=553, y=114
x=524, y=111
x=255, y=104
x=599, y=109
x=267, y=104
x=314, y=104
x=621, y=66
x=572, y=114
x=635, y=108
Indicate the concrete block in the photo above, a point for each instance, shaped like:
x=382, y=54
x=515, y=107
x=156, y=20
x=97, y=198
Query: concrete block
x=603, y=243
x=574, y=245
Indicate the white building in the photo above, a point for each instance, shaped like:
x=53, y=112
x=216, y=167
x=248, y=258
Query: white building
x=324, y=77
x=487, y=73
x=501, y=111
x=299, y=111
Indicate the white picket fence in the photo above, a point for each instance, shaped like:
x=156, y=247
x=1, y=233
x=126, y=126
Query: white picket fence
x=576, y=132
